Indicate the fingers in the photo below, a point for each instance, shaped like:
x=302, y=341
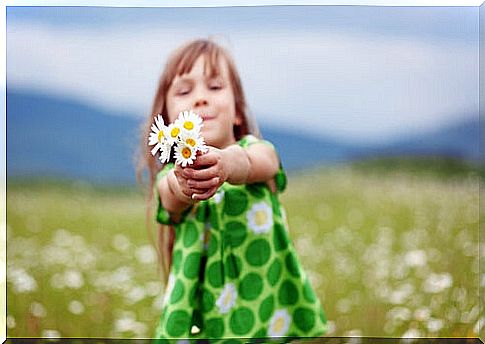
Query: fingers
x=183, y=184
x=190, y=187
x=201, y=180
x=178, y=170
x=190, y=192
x=206, y=195
x=202, y=174
x=207, y=166
x=207, y=159
x=203, y=184
x=181, y=180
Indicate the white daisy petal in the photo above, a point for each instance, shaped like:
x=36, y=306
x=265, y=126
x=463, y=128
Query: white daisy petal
x=202, y=145
x=165, y=150
x=159, y=122
x=155, y=149
x=204, y=148
x=153, y=139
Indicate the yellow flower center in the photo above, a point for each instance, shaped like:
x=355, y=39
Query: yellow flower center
x=278, y=325
x=186, y=152
x=188, y=125
x=190, y=142
x=260, y=218
x=227, y=298
x=175, y=131
x=160, y=136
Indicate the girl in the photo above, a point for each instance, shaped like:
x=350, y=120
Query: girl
x=233, y=271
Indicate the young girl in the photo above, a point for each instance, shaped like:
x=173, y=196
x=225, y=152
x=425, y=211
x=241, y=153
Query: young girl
x=233, y=271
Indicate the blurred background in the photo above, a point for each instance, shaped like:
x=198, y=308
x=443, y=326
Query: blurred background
x=374, y=111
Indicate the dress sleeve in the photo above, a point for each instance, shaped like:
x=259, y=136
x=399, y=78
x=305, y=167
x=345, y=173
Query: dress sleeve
x=280, y=177
x=163, y=216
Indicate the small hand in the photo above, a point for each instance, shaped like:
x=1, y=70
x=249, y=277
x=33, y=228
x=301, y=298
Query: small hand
x=207, y=174
x=184, y=184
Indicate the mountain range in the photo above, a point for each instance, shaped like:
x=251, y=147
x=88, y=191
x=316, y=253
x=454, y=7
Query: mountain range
x=58, y=137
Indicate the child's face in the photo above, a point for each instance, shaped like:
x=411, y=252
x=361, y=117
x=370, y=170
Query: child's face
x=211, y=98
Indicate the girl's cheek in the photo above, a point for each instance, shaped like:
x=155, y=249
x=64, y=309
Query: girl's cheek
x=174, y=109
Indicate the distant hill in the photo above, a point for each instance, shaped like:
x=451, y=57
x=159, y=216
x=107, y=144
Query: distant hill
x=58, y=137
x=298, y=151
x=459, y=140
x=49, y=136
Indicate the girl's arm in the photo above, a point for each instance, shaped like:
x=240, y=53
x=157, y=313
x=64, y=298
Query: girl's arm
x=234, y=164
x=257, y=163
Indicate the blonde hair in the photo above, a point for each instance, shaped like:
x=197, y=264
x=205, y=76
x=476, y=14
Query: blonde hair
x=180, y=62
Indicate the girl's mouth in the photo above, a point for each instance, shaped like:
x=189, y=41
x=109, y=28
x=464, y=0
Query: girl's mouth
x=206, y=117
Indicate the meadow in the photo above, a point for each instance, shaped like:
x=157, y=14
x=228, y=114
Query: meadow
x=390, y=251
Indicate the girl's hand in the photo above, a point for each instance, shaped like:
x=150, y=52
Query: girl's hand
x=234, y=164
x=207, y=174
x=183, y=185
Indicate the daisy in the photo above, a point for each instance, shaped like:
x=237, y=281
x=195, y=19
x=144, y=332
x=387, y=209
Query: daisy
x=279, y=323
x=260, y=217
x=227, y=299
x=172, y=133
x=194, y=140
x=184, y=154
x=157, y=136
x=189, y=121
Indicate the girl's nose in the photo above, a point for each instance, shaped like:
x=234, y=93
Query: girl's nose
x=200, y=102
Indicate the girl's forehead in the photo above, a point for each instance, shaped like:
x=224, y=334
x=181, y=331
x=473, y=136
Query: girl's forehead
x=209, y=67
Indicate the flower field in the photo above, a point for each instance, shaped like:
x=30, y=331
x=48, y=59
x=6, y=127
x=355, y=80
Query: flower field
x=389, y=254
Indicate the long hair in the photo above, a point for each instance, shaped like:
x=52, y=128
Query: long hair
x=179, y=63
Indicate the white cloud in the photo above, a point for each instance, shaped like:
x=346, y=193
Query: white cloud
x=354, y=86
x=359, y=86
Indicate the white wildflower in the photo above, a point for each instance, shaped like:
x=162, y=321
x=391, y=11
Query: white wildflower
x=436, y=283
x=76, y=307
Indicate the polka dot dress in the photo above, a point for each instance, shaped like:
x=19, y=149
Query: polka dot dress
x=235, y=272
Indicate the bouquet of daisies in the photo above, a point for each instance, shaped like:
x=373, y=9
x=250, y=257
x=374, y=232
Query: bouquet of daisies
x=183, y=136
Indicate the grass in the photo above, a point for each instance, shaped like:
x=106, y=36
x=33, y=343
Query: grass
x=390, y=251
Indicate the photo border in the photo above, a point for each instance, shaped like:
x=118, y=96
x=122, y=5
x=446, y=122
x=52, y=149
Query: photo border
x=223, y=3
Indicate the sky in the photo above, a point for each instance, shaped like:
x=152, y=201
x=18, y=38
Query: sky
x=354, y=73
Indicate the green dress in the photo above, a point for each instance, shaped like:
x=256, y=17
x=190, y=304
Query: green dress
x=235, y=272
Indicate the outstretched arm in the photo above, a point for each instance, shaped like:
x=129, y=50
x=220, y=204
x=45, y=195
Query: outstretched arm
x=257, y=163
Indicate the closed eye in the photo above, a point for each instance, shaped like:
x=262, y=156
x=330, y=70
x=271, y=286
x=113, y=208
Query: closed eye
x=215, y=84
x=182, y=92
